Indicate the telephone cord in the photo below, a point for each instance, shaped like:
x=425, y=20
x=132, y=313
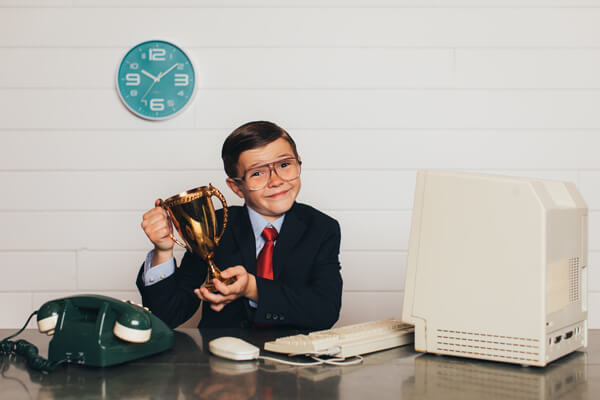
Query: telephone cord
x=27, y=350
x=22, y=329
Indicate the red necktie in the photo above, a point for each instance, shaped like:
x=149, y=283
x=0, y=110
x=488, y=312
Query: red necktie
x=264, y=262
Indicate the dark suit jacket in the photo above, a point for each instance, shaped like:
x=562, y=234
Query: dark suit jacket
x=306, y=290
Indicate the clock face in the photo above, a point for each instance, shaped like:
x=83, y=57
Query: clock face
x=156, y=80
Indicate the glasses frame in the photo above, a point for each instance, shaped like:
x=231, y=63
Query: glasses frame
x=272, y=169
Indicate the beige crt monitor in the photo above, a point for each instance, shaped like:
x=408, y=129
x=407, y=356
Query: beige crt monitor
x=497, y=267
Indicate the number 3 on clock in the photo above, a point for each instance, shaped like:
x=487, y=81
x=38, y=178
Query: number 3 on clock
x=156, y=80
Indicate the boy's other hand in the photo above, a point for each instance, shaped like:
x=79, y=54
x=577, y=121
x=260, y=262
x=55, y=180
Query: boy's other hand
x=244, y=286
x=157, y=227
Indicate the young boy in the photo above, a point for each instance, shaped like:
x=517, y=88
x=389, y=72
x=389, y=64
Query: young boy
x=284, y=255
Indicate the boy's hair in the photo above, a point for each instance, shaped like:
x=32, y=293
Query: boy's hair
x=251, y=136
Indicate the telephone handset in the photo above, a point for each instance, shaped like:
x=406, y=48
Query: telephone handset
x=132, y=325
x=101, y=331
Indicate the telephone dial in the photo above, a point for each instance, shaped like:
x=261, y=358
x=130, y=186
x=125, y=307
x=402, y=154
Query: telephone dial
x=99, y=331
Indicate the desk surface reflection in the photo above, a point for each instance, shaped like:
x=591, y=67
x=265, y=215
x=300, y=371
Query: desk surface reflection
x=190, y=372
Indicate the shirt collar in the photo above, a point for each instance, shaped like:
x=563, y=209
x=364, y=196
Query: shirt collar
x=259, y=223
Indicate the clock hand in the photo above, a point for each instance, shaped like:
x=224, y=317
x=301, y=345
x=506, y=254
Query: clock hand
x=156, y=80
x=149, y=75
x=162, y=74
x=150, y=88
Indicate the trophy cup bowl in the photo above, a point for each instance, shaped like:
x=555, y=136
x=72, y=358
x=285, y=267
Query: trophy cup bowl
x=193, y=215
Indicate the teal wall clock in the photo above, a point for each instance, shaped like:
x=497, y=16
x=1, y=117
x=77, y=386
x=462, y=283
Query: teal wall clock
x=156, y=80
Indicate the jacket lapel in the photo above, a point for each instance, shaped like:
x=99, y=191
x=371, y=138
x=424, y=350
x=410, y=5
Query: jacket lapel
x=291, y=232
x=242, y=232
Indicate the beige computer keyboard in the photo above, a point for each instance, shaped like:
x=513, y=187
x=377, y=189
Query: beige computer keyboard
x=347, y=341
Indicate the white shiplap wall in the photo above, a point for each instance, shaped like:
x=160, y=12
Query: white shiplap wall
x=370, y=90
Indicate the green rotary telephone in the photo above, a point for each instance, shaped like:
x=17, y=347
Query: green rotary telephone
x=101, y=331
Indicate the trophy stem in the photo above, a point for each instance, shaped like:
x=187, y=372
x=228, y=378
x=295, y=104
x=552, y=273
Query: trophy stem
x=215, y=272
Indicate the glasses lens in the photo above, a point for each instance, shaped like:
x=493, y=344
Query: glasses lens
x=257, y=178
x=287, y=169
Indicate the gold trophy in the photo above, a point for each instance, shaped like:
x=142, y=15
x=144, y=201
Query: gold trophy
x=193, y=215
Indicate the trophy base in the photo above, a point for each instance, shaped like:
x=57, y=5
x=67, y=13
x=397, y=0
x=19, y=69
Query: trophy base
x=211, y=286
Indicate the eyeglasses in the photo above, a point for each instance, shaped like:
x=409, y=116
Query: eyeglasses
x=258, y=177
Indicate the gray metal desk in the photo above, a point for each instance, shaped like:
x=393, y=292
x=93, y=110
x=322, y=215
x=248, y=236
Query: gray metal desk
x=190, y=372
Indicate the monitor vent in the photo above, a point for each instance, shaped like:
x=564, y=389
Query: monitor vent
x=482, y=345
x=574, y=279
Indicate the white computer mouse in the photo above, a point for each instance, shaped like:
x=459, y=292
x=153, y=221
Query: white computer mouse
x=233, y=348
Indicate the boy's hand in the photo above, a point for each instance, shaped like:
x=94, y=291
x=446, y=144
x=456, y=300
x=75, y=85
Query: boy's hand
x=244, y=286
x=157, y=227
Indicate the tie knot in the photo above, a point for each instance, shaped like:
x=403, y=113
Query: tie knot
x=269, y=234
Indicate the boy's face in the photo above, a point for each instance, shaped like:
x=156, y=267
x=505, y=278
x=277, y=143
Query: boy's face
x=278, y=196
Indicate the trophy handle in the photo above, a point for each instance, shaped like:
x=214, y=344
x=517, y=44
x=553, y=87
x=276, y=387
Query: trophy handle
x=161, y=203
x=215, y=191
